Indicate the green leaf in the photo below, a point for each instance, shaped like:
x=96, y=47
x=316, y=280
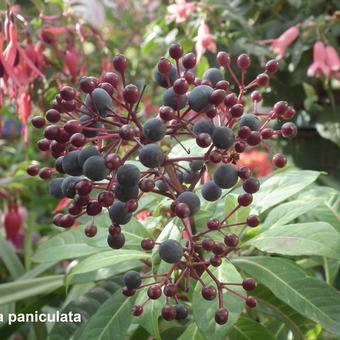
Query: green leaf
x=269, y=304
x=191, y=332
x=309, y=296
x=66, y=245
x=287, y=212
x=240, y=215
x=37, y=270
x=188, y=147
x=113, y=317
x=282, y=185
x=328, y=210
x=316, y=238
x=249, y=329
x=86, y=305
x=10, y=259
x=204, y=311
x=151, y=313
x=105, y=259
x=104, y=273
x=22, y=289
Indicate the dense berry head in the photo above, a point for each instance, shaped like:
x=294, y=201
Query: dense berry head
x=251, y=302
x=209, y=292
x=289, y=130
x=132, y=279
x=222, y=137
x=280, y=107
x=95, y=169
x=214, y=75
x=93, y=208
x=90, y=230
x=249, y=284
x=137, y=310
x=174, y=100
x=226, y=176
x=251, y=121
x=218, y=248
x=147, y=244
x=213, y=224
x=181, y=86
x=279, y=160
x=189, y=60
x=154, y=129
x=251, y=185
x=253, y=221
x=215, y=261
x=175, y=51
x=154, y=292
x=118, y=213
x=245, y=199
x=199, y=97
x=223, y=58
x=208, y=244
x=272, y=66
x=170, y=290
x=128, y=175
x=120, y=63
x=151, y=156
x=131, y=94
x=191, y=200
x=243, y=61
x=170, y=251
x=55, y=188
x=71, y=164
x=231, y=240
x=181, y=312
x=105, y=198
x=32, y=170
x=221, y=316
x=38, y=122
x=211, y=192
x=128, y=292
x=168, y=312
x=112, y=161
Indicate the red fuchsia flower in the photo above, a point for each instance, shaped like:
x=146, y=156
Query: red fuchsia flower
x=12, y=222
x=280, y=44
x=319, y=66
x=62, y=204
x=257, y=161
x=204, y=41
x=180, y=10
x=71, y=60
x=333, y=61
x=143, y=215
x=25, y=109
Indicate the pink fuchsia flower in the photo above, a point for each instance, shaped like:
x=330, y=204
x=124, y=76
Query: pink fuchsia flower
x=280, y=44
x=204, y=41
x=180, y=10
x=319, y=66
x=257, y=161
x=332, y=59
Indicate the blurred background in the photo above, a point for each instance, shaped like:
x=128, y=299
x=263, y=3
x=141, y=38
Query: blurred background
x=55, y=42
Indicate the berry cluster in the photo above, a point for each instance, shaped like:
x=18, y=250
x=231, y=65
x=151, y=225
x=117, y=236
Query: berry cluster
x=92, y=138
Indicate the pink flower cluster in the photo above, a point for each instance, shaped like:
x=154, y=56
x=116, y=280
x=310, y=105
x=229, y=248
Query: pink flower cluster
x=326, y=61
x=180, y=10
